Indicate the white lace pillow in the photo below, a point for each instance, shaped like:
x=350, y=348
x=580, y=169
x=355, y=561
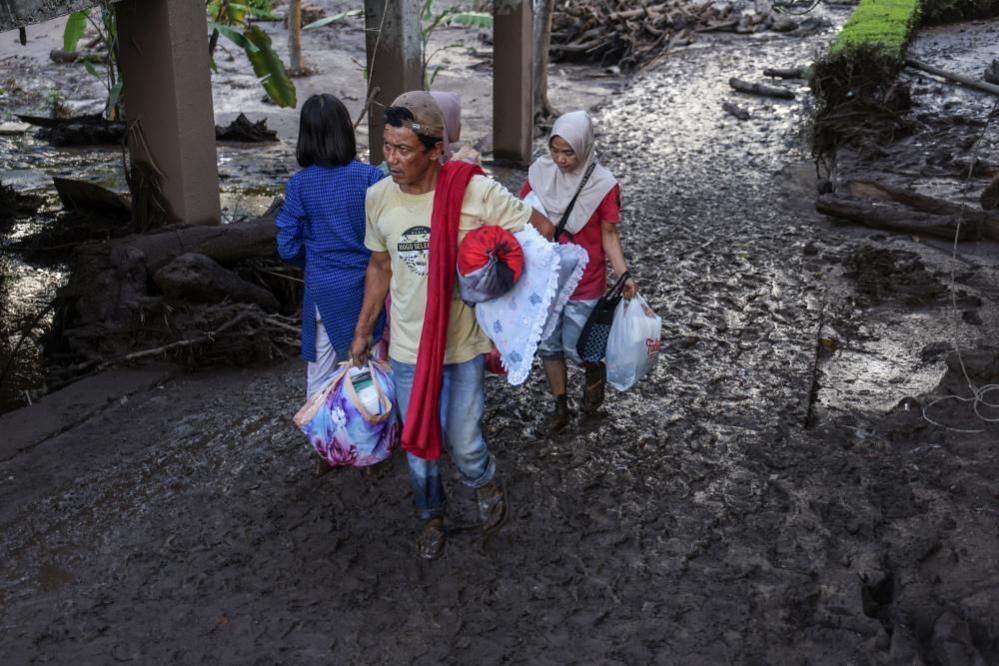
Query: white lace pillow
x=516, y=320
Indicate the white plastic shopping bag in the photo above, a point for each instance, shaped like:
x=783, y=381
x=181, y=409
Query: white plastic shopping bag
x=633, y=345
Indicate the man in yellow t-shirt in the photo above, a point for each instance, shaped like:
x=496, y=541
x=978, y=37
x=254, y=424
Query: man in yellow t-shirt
x=398, y=211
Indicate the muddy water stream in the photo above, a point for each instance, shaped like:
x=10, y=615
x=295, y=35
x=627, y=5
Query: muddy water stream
x=711, y=516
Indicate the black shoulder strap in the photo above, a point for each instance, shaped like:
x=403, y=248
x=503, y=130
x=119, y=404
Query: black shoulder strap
x=560, y=229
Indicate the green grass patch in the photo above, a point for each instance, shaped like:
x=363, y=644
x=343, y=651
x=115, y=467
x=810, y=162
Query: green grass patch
x=883, y=24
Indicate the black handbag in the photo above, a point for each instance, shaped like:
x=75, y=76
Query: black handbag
x=592, y=343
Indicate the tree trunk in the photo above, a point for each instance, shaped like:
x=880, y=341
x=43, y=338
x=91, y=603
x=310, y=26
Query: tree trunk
x=908, y=212
x=890, y=217
x=544, y=10
x=295, y=61
x=223, y=243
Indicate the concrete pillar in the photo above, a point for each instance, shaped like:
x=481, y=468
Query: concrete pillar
x=163, y=47
x=395, y=57
x=513, y=104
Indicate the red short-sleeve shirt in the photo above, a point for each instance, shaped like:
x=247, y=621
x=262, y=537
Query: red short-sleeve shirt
x=590, y=237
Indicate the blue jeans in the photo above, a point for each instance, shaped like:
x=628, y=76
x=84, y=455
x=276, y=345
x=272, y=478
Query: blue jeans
x=463, y=402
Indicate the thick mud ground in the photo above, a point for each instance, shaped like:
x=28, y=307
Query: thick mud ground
x=743, y=505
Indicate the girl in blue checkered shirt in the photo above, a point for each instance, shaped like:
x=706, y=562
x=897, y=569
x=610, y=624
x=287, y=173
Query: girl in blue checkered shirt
x=321, y=228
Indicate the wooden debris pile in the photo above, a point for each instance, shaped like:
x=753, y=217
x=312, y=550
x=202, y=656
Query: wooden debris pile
x=617, y=32
x=198, y=295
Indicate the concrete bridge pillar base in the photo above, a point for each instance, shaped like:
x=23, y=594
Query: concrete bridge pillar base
x=513, y=99
x=163, y=46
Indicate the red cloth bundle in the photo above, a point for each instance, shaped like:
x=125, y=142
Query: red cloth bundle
x=490, y=261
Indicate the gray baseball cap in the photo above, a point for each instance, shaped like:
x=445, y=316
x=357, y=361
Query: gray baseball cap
x=428, y=118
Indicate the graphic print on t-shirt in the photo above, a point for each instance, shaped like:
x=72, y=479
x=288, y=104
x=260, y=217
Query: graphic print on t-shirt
x=413, y=247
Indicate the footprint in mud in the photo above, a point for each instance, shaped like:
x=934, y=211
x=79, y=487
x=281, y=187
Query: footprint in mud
x=741, y=492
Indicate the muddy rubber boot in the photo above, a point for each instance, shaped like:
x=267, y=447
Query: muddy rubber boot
x=560, y=416
x=491, y=501
x=430, y=542
x=593, y=393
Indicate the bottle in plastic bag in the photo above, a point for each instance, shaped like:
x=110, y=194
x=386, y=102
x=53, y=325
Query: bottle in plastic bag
x=366, y=390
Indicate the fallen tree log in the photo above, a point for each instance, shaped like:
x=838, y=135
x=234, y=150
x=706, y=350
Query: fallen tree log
x=872, y=189
x=760, y=89
x=891, y=214
x=794, y=73
x=966, y=81
x=60, y=56
x=223, y=243
x=986, y=223
x=736, y=111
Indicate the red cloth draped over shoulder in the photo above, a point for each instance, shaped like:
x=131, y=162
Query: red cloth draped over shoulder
x=421, y=434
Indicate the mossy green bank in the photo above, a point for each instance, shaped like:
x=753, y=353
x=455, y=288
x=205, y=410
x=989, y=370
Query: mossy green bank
x=883, y=24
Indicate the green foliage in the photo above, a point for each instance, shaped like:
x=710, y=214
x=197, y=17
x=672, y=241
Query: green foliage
x=471, y=19
x=231, y=20
x=433, y=19
x=884, y=24
x=55, y=104
x=107, y=28
x=76, y=25
x=269, y=68
x=262, y=9
x=237, y=13
x=234, y=36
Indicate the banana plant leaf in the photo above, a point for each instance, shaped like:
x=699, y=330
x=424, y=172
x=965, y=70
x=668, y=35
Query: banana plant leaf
x=234, y=36
x=269, y=68
x=471, y=19
x=76, y=25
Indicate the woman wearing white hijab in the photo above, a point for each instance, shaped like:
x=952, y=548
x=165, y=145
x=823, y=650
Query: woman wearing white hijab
x=592, y=224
